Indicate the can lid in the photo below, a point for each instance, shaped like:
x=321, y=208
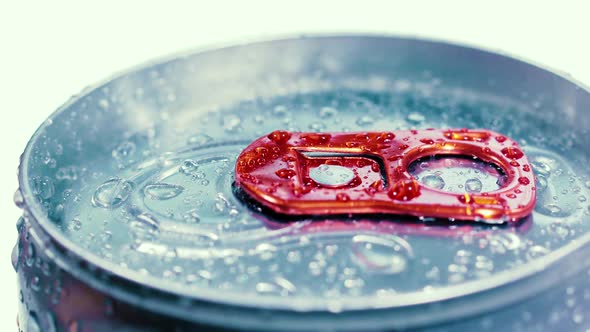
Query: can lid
x=136, y=176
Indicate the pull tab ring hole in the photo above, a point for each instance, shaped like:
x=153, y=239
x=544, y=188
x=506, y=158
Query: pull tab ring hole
x=458, y=174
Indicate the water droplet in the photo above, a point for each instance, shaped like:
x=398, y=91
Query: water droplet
x=191, y=216
x=162, y=191
x=387, y=255
x=144, y=226
x=317, y=126
x=541, y=183
x=76, y=224
x=473, y=185
x=279, y=285
x=280, y=111
x=67, y=173
x=18, y=199
x=30, y=255
x=103, y=103
x=43, y=187
x=279, y=136
x=560, y=229
x=550, y=209
x=483, y=263
x=541, y=168
x=433, y=181
x=124, y=151
x=536, y=251
x=328, y=112
x=415, y=118
x=331, y=175
x=404, y=190
x=199, y=139
x=285, y=173
x=112, y=193
x=265, y=251
x=231, y=123
x=365, y=120
x=500, y=243
x=578, y=315
x=35, y=283
x=512, y=152
x=190, y=168
x=524, y=180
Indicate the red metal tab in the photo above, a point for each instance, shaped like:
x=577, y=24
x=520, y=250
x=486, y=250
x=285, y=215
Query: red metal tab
x=367, y=172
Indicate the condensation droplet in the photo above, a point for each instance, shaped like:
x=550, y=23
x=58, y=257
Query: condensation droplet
x=189, y=167
x=43, y=187
x=415, y=118
x=124, y=151
x=473, y=185
x=327, y=112
x=231, y=123
x=162, y=191
x=433, y=181
x=112, y=193
x=199, y=139
x=191, y=216
x=536, y=251
x=365, y=120
x=387, y=255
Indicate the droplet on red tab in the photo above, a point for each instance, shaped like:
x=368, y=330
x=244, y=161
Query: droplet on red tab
x=501, y=139
x=514, y=163
x=375, y=167
x=403, y=146
x=362, y=163
x=285, y=173
x=404, y=190
x=512, y=153
x=526, y=168
x=385, y=137
x=524, y=180
x=261, y=150
x=279, y=136
x=317, y=138
x=427, y=141
x=250, y=178
x=342, y=197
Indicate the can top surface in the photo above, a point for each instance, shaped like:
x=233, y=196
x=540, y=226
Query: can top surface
x=135, y=176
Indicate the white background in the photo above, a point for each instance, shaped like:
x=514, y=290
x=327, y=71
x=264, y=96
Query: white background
x=50, y=50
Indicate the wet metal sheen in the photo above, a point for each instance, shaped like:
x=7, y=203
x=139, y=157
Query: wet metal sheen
x=132, y=219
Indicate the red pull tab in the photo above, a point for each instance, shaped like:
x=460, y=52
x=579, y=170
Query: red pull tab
x=367, y=172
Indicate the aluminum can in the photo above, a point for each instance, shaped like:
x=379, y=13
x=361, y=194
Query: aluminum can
x=133, y=219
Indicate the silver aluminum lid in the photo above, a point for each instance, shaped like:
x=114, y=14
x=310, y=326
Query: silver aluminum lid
x=135, y=177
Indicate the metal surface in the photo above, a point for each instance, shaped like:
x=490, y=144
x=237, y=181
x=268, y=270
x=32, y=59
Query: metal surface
x=368, y=172
x=127, y=193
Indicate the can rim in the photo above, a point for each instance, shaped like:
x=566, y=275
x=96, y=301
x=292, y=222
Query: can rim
x=349, y=303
